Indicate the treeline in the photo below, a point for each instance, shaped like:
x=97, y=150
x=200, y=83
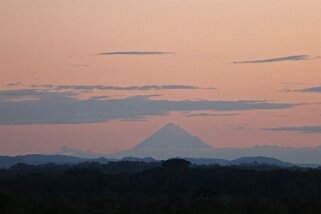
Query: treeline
x=158, y=187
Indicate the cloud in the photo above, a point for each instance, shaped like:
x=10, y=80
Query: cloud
x=137, y=53
x=100, y=97
x=65, y=108
x=211, y=115
x=278, y=59
x=312, y=89
x=301, y=129
x=46, y=86
x=14, y=84
x=120, y=88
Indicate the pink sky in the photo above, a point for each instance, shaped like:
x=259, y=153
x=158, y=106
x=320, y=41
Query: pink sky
x=58, y=43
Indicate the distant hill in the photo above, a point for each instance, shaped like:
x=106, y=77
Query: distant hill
x=302, y=155
x=260, y=160
x=36, y=159
x=134, y=159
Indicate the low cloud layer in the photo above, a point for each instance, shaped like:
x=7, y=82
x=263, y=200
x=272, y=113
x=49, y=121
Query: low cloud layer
x=136, y=53
x=301, y=129
x=32, y=106
x=278, y=59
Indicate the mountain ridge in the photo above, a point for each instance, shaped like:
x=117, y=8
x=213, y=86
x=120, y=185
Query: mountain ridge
x=40, y=159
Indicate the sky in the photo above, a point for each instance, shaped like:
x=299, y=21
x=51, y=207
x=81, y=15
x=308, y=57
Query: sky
x=101, y=76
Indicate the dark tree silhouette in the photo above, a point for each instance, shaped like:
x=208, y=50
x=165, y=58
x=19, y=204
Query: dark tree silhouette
x=176, y=164
x=160, y=187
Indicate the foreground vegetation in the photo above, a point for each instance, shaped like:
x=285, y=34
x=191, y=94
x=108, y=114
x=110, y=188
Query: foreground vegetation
x=170, y=187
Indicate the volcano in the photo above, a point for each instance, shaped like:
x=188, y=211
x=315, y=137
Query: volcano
x=169, y=141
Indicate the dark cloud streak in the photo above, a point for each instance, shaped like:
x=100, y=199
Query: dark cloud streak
x=312, y=89
x=301, y=129
x=211, y=115
x=278, y=59
x=120, y=88
x=125, y=88
x=137, y=53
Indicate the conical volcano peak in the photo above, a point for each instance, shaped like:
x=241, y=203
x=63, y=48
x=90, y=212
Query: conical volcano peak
x=170, y=141
x=172, y=136
x=171, y=125
x=172, y=128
